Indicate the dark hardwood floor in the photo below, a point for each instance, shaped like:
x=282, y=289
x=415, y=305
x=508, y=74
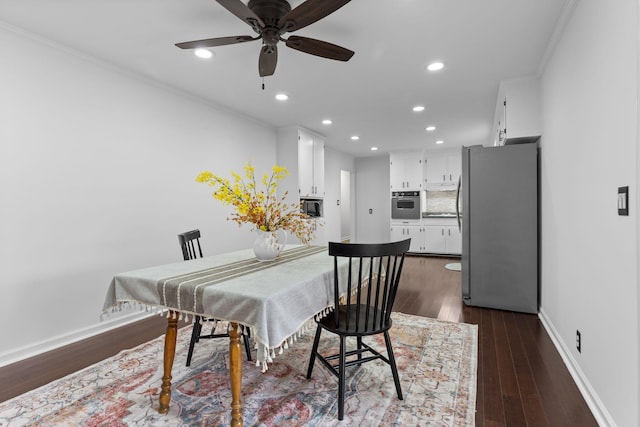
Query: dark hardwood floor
x=522, y=380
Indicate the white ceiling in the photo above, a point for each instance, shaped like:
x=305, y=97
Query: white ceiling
x=480, y=41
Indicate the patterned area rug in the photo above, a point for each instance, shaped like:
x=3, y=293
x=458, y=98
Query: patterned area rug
x=436, y=361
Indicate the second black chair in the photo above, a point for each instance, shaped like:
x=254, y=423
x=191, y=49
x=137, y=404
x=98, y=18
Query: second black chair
x=189, y=241
x=372, y=286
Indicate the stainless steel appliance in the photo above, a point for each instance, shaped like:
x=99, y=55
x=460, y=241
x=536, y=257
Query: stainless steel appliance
x=311, y=207
x=500, y=227
x=405, y=205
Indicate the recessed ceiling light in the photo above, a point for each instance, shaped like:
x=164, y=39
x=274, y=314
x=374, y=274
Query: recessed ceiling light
x=282, y=97
x=435, y=66
x=374, y=148
x=203, y=53
x=326, y=122
x=355, y=138
x=418, y=108
x=431, y=128
x=439, y=141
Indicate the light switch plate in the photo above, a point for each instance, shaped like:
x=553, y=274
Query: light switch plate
x=623, y=201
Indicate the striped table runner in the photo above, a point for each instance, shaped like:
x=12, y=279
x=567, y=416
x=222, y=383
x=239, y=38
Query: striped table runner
x=184, y=292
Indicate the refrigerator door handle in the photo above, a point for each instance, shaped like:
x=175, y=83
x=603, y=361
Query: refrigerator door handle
x=458, y=203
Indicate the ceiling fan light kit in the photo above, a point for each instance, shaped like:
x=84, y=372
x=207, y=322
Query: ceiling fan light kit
x=270, y=19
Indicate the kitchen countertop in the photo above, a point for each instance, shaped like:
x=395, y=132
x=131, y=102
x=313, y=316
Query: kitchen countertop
x=438, y=215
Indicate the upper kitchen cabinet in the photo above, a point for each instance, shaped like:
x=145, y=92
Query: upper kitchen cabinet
x=302, y=153
x=311, y=165
x=405, y=170
x=517, y=117
x=442, y=168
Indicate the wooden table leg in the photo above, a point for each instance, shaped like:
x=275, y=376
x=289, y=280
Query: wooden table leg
x=235, y=374
x=169, y=354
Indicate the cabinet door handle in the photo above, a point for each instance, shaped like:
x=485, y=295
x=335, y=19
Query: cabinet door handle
x=450, y=177
x=443, y=231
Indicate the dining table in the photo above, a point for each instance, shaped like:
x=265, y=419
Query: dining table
x=273, y=301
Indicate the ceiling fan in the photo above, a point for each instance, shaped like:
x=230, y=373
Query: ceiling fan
x=273, y=18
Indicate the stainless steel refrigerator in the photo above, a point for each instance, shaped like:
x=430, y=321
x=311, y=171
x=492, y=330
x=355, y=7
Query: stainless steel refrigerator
x=500, y=227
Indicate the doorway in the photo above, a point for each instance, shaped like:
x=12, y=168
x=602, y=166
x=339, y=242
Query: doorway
x=345, y=206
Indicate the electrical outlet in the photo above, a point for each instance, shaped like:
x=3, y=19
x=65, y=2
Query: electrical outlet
x=579, y=341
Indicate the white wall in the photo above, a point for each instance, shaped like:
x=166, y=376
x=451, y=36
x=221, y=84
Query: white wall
x=97, y=172
x=372, y=192
x=589, y=253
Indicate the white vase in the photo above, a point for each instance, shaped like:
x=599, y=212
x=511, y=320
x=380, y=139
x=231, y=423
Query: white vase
x=269, y=244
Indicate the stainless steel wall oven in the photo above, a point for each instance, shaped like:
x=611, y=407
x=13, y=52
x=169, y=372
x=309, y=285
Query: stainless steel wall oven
x=405, y=205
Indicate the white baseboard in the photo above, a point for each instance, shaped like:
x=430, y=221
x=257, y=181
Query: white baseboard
x=35, y=349
x=594, y=403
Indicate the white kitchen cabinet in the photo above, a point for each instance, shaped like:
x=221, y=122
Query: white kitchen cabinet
x=442, y=168
x=302, y=153
x=518, y=111
x=405, y=169
x=311, y=165
x=415, y=232
x=320, y=234
x=442, y=239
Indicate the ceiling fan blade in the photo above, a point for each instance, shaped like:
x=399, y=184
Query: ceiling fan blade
x=218, y=41
x=242, y=11
x=268, y=60
x=319, y=48
x=309, y=12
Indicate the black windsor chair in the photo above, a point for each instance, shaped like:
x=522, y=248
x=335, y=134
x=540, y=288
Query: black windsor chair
x=189, y=241
x=366, y=312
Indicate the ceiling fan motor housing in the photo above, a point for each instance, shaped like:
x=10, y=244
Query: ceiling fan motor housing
x=270, y=11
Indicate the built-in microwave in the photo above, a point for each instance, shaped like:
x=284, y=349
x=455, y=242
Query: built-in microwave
x=311, y=207
x=405, y=205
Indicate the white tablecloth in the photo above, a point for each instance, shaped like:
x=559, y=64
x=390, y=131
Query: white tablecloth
x=276, y=302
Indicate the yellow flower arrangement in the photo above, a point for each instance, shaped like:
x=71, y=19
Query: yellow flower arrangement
x=261, y=208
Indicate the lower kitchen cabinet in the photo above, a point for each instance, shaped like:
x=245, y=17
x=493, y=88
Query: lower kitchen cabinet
x=320, y=234
x=443, y=239
x=415, y=232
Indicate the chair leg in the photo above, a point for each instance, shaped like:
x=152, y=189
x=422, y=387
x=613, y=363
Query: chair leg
x=341, y=379
x=392, y=362
x=247, y=346
x=195, y=335
x=314, y=350
x=359, y=339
